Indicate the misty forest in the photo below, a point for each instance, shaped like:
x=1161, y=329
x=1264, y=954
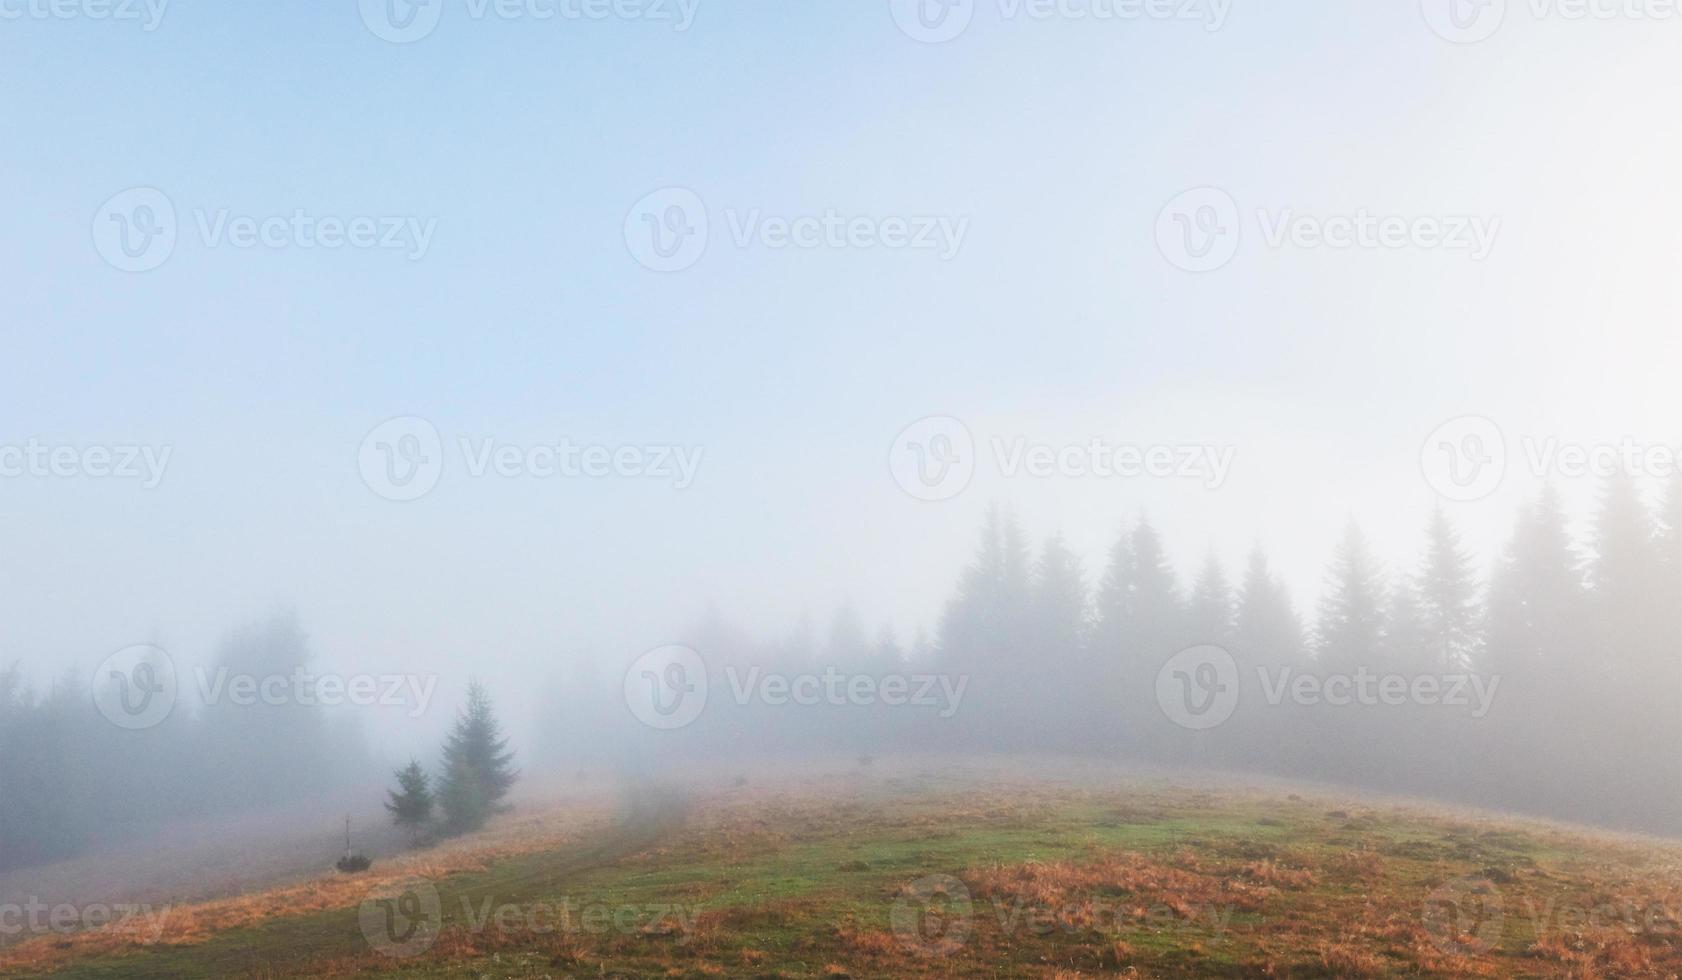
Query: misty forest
x=896, y=490
x=1537, y=658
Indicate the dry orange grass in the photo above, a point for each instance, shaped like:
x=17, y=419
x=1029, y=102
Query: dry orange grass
x=1074, y=888
x=870, y=942
x=184, y=925
x=1278, y=876
x=1351, y=960
x=1337, y=897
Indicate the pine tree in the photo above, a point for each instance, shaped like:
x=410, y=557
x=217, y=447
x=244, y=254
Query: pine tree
x=1536, y=634
x=1139, y=612
x=1048, y=678
x=267, y=752
x=1349, y=640
x=985, y=624
x=970, y=623
x=1631, y=686
x=1670, y=537
x=1153, y=633
x=1113, y=604
x=1666, y=612
x=1405, y=645
x=1351, y=620
x=1268, y=636
x=1448, y=603
x=1156, y=592
x=411, y=803
x=1211, y=610
x=847, y=647
x=1536, y=597
x=1059, y=604
x=477, y=772
x=1268, y=629
x=886, y=654
x=1623, y=576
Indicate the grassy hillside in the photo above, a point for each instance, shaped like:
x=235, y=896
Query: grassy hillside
x=921, y=873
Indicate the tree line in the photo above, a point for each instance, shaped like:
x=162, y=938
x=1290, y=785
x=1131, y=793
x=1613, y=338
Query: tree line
x=1578, y=645
x=1575, y=647
x=71, y=780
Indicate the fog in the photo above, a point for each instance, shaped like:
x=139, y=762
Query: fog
x=1031, y=390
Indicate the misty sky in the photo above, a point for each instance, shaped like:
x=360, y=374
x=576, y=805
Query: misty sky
x=529, y=321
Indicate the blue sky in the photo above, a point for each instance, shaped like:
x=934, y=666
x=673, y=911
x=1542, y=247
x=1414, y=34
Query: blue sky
x=528, y=319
